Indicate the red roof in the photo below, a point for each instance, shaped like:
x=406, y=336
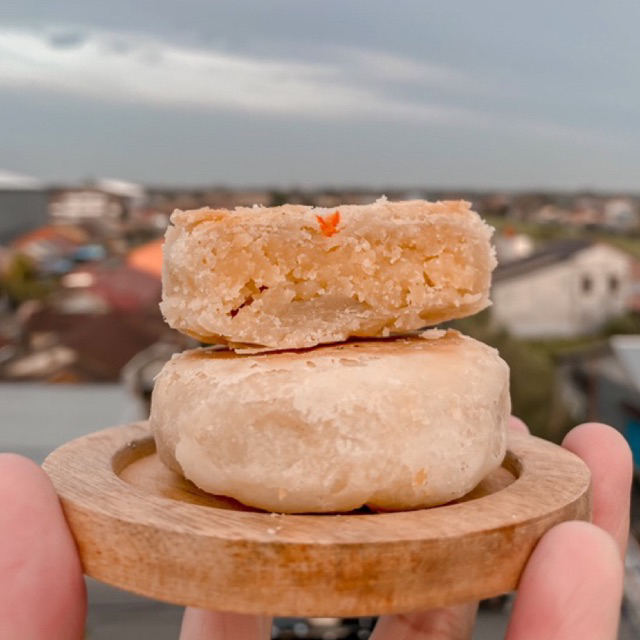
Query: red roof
x=71, y=237
x=148, y=257
x=104, y=343
x=123, y=288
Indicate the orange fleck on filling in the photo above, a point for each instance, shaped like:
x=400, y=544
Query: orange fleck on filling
x=329, y=224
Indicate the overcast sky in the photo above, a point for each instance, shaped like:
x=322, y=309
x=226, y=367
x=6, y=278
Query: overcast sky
x=463, y=93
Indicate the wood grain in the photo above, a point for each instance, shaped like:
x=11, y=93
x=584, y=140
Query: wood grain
x=140, y=527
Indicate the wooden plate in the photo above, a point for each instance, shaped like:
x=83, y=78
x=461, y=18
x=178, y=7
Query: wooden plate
x=143, y=528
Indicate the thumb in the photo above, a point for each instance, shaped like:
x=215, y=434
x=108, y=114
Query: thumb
x=571, y=588
x=199, y=624
x=42, y=592
x=448, y=623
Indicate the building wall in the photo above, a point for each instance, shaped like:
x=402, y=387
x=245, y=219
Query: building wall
x=611, y=404
x=608, y=271
x=21, y=211
x=567, y=299
x=536, y=304
x=38, y=417
x=73, y=206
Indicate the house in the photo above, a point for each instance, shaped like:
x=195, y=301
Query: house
x=80, y=347
x=23, y=205
x=627, y=351
x=166, y=200
x=511, y=246
x=38, y=417
x=621, y=214
x=601, y=382
x=134, y=195
x=77, y=206
x=634, y=292
x=549, y=214
x=56, y=249
x=567, y=289
x=147, y=257
x=111, y=286
x=98, y=318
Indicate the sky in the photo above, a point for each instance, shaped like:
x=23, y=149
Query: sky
x=303, y=93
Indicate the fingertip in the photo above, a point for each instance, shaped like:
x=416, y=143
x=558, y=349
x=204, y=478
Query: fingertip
x=587, y=544
x=20, y=474
x=25, y=490
x=518, y=425
x=201, y=624
x=608, y=455
x=571, y=586
x=39, y=565
x=14, y=463
x=595, y=436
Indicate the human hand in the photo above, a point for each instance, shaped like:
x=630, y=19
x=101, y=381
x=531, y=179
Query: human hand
x=570, y=589
x=42, y=590
x=572, y=585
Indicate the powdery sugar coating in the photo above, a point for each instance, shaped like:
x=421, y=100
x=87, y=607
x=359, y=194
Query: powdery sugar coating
x=281, y=278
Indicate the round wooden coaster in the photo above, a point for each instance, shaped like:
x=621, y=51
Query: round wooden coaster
x=143, y=528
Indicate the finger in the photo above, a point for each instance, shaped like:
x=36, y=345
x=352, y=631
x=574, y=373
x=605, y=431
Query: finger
x=198, y=624
x=608, y=456
x=571, y=588
x=42, y=591
x=518, y=425
x=448, y=623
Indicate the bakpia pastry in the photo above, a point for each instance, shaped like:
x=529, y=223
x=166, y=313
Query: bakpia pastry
x=294, y=277
x=397, y=423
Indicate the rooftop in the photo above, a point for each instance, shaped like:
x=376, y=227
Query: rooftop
x=37, y=417
x=10, y=181
x=147, y=257
x=553, y=253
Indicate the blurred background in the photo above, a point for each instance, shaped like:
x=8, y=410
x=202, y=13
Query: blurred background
x=113, y=114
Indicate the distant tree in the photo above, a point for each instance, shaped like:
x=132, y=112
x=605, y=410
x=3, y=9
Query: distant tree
x=626, y=323
x=21, y=281
x=534, y=396
x=278, y=198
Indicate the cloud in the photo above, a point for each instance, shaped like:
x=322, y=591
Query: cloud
x=153, y=72
x=352, y=84
x=116, y=45
x=66, y=39
x=392, y=68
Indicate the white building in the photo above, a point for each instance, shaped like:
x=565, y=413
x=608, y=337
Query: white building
x=568, y=289
x=134, y=194
x=23, y=205
x=76, y=206
x=512, y=246
x=620, y=214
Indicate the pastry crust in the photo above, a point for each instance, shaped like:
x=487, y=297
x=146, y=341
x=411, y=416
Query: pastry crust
x=293, y=277
x=394, y=424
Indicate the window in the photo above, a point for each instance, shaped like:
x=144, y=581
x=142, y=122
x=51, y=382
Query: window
x=614, y=283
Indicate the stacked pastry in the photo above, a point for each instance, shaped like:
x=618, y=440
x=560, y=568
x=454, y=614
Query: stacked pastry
x=323, y=396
